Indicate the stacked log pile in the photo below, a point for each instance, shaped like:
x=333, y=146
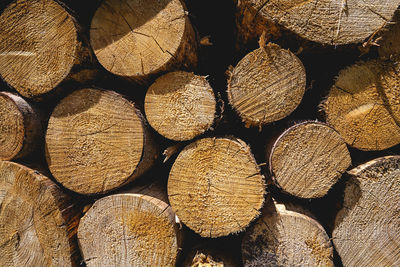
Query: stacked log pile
x=185, y=133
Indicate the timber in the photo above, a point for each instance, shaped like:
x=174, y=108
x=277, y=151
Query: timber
x=130, y=230
x=363, y=105
x=328, y=22
x=266, y=85
x=138, y=39
x=307, y=159
x=180, y=105
x=215, y=186
x=97, y=141
x=20, y=127
x=38, y=221
x=39, y=47
x=283, y=237
x=367, y=228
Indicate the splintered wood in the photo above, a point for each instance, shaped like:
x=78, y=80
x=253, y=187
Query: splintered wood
x=129, y=230
x=138, y=38
x=215, y=186
x=307, y=159
x=266, y=85
x=94, y=141
x=38, y=221
x=367, y=227
x=38, y=46
x=180, y=105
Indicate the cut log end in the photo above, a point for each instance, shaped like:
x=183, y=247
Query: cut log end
x=321, y=21
x=138, y=38
x=308, y=158
x=94, y=141
x=215, y=186
x=364, y=105
x=12, y=130
x=367, y=228
x=20, y=127
x=129, y=229
x=267, y=85
x=34, y=229
x=286, y=238
x=180, y=105
x=33, y=31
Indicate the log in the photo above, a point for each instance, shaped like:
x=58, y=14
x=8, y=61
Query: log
x=308, y=159
x=284, y=237
x=266, y=85
x=38, y=221
x=138, y=39
x=215, y=186
x=20, y=127
x=364, y=105
x=326, y=22
x=39, y=47
x=130, y=230
x=367, y=228
x=180, y=105
x=97, y=141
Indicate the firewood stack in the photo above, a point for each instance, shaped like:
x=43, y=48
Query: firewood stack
x=180, y=133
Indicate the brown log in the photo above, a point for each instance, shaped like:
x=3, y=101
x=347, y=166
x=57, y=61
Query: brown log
x=307, y=159
x=323, y=21
x=38, y=221
x=266, y=85
x=215, y=186
x=283, y=237
x=137, y=39
x=364, y=105
x=367, y=228
x=97, y=141
x=130, y=230
x=180, y=105
x=21, y=130
x=40, y=47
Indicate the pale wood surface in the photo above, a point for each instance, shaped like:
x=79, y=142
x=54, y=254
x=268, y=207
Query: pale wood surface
x=367, y=228
x=215, y=186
